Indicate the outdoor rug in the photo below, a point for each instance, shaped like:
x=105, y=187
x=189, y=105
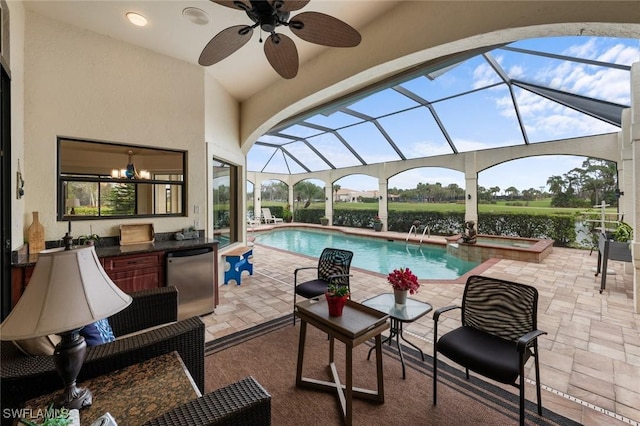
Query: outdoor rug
x=268, y=352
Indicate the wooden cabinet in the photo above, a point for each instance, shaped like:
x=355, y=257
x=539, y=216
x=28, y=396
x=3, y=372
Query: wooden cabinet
x=136, y=272
x=19, y=280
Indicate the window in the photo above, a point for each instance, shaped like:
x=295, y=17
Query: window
x=99, y=180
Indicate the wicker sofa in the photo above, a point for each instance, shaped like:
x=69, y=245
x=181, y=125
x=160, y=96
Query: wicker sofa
x=24, y=377
x=244, y=402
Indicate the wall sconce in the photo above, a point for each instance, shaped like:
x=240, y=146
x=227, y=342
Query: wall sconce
x=326, y=198
x=619, y=193
x=258, y=198
x=380, y=197
x=468, y=196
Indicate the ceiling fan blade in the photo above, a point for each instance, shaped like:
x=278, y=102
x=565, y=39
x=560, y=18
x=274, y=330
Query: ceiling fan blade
x=234, y=4
x=224, y=44
x=318, y=28
x=289, y=5
x=282, y=54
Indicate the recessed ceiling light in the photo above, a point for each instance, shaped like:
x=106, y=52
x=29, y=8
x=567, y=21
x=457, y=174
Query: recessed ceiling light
x=195, y=15
x=137, y=19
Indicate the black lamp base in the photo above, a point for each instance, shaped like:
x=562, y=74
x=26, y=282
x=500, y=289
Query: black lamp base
x=75, y=397
x=68, y=356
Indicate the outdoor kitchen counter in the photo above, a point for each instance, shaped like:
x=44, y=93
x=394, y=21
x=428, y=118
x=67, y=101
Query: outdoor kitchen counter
x=20, y=259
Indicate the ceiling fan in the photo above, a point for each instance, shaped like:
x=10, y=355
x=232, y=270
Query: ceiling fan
x=281, y=52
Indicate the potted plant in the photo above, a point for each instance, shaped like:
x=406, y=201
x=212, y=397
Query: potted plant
x=88, y=240
x=287, y=216
x=336, y=299
x=623, y=233
x=403, y=281
x=324, y=221
x=377, y=224
x=619, y=242
x=55, y=417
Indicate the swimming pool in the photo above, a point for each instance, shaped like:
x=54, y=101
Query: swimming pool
x=372, y=254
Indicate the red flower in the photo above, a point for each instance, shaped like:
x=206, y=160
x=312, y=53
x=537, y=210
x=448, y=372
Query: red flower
x=403, y=279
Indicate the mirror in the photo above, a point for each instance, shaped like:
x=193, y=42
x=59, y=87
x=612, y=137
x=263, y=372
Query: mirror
x=101, y=180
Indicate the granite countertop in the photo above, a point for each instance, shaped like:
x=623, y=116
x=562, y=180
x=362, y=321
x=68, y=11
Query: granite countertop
x=106, y=248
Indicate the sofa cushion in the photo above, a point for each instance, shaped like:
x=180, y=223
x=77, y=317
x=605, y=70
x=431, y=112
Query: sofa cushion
x=97, y=333
x=35, y=346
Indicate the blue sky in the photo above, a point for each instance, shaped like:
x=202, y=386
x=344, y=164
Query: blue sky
x=477, y=120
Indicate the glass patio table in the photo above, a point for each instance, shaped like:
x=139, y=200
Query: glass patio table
x=399, y=314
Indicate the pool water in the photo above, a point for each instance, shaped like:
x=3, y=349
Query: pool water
x=372, y=254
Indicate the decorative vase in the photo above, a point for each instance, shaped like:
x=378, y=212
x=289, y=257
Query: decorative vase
x=377, y=226
x=336, y=304
x=401, y=296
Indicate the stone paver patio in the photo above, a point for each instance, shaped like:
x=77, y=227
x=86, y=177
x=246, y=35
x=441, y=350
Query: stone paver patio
x=590, y=358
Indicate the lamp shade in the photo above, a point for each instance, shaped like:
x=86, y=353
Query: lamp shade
x=73, y=202
x=67, y=290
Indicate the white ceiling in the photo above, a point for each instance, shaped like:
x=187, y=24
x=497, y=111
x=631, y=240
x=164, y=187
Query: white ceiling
x=243, y=74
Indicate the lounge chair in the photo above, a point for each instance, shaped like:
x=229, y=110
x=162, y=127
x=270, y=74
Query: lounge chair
x=268, y=218
x=253, y=220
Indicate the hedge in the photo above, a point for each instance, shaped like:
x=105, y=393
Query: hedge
x=560, y=228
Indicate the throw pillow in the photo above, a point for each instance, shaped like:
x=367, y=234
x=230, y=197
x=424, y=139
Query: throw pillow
x=97, y=333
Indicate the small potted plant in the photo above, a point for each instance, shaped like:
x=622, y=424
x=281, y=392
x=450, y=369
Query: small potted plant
x=377, y=224
x=88, y=240
x=287, y=216
x=55, y=417
x=403, y=281
x=324, y=221
x=336, y=299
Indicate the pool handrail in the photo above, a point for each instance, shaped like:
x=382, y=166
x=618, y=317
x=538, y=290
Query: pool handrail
x=414, y=228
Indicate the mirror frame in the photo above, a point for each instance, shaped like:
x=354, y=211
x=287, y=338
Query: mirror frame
x=61, y=180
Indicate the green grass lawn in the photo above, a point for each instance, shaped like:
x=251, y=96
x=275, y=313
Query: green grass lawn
x=531, y=207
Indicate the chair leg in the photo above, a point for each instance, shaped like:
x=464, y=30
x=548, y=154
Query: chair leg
x=522, y=399
x=294, y=306
x=537, y=365
x=435, y=374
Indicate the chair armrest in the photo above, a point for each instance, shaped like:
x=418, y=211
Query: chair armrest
x=303, y=268
x=526, y=340
x=245, y=402
x=149, y=308
x=295, y=273
x=438, y=312
x=186, y=337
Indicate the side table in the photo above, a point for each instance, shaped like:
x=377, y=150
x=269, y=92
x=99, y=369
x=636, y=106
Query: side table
x=136, y=394
x=399, y=314
x=357, y=324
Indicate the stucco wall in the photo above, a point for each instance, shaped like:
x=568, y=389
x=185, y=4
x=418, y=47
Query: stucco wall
x=81, y=84
x=16, y=13
x=222, y=113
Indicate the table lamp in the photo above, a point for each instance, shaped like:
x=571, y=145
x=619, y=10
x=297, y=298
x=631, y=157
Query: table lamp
x=68, y=290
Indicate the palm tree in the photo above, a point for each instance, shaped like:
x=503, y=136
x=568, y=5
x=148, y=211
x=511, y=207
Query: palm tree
x=336, y=188
x=556, y=183
x=512, y=191
x=494, y=190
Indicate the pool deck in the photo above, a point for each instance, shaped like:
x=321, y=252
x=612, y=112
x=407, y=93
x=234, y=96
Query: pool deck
x=590, y=358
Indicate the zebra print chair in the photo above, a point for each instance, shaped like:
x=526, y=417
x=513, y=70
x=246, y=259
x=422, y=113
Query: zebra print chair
x=498, y=334
x=333, y=268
